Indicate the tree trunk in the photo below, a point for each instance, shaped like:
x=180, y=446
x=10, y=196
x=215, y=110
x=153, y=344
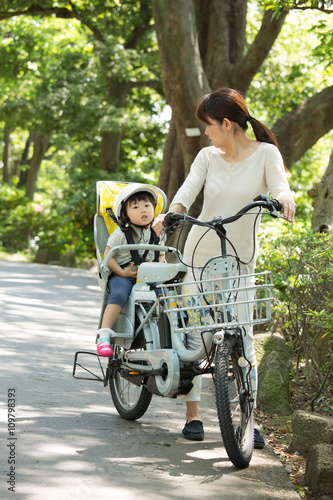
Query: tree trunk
x=110, y=151
x=201, y=46
x=25, y=161
x=184, y=81
x=172, y=171
x=6, y=156
x=111, y=139
x=41, y=143
x=322, y=194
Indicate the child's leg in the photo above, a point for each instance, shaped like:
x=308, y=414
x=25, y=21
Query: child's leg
x=120, y=288
x=110, y=315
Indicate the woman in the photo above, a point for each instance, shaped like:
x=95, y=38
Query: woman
x=231, y=172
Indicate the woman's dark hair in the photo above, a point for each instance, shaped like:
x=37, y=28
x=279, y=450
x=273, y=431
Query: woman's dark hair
x=228, y=103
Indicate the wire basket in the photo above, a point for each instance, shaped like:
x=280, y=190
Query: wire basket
x=219, y=302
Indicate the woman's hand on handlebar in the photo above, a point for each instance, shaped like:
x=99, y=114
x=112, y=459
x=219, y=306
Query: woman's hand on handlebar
x=289, y=207
x=159, y=221
x=157, y=225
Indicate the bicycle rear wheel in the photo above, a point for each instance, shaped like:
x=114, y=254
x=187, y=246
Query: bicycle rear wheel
x=131, y=401
x=234, y=404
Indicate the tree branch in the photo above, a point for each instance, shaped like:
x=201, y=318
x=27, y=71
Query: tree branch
x=298, y=130
x=322, y=6
x=322, y=386
x=37, y=10
x=59, y=12
x=152, y=84
x=245, y=69
x=139, y=31
x=326, y=11
x=212, y=25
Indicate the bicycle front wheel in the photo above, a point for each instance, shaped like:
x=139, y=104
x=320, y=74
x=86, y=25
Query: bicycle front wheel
x=234, y=404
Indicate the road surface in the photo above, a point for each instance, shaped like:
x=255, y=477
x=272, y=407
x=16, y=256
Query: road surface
x=67, y=441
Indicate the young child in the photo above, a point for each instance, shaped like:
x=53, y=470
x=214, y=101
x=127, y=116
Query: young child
x=134, y=209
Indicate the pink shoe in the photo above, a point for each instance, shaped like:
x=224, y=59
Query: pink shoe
x=103, y=342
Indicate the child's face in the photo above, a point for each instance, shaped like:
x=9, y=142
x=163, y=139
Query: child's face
x=140, y=212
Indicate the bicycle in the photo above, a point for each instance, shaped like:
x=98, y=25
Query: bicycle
x=150, y=353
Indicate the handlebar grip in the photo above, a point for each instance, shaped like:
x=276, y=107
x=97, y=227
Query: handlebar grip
x=168, y=219
x=277, y=205
x=172, y=217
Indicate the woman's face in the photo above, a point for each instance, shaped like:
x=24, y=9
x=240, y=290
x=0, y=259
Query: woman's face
x=216, y=133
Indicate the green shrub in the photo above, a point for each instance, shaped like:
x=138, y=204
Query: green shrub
x=52, y=223
x=302, y=265
x=20, y=219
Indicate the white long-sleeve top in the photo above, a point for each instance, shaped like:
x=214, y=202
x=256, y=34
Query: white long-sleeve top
x=228, y=187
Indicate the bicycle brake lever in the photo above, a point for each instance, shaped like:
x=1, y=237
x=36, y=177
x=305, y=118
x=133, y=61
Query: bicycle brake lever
x=285, y=218
x=170, y=229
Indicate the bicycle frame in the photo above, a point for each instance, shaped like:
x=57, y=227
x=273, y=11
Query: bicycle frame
x=143, y=311
x=217, y=305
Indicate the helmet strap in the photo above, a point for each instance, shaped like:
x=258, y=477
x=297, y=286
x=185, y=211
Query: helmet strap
x=141, y=227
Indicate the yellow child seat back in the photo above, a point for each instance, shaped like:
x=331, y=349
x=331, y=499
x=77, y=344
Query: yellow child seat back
x=106, y=194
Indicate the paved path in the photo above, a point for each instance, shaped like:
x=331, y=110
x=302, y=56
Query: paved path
x=69, y=441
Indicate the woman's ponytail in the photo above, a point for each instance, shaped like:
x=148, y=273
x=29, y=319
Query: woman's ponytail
x=261, y=132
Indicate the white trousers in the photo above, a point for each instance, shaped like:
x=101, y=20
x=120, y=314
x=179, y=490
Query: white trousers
x=244, y=311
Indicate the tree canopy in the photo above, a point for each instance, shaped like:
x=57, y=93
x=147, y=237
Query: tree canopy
x=84, y=84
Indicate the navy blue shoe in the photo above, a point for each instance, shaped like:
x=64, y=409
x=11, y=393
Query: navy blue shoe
x=259, y=442
x=194, y=430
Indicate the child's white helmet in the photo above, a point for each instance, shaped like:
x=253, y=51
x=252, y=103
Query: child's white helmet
x=131, y=189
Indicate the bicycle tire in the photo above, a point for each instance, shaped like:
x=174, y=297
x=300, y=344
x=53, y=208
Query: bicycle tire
x=234, y=404
x=131, y=401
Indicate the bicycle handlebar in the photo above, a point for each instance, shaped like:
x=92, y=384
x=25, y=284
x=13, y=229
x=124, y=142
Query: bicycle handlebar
x=273, y=207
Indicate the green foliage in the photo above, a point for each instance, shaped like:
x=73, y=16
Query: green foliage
x=280, y=5
x=49, y=224
x=17, y=218
x=62, y=215
x=64, y=75
x=81, y=75
x=324, y=50
x=295, y=68
x=43, y=73
x=302, y=265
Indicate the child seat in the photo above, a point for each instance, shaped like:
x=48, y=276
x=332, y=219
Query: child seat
x=106, y=192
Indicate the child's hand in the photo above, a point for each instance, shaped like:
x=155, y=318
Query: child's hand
x=130, y=272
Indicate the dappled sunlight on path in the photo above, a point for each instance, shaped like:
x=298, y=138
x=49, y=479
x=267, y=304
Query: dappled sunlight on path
x=71, y=443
